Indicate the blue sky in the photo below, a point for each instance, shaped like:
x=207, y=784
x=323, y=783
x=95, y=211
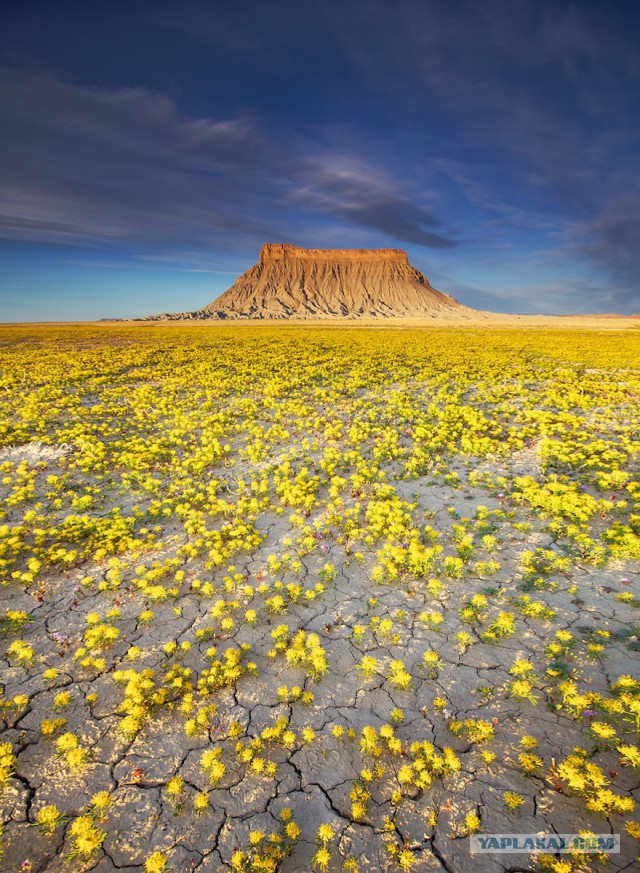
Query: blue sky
x=150, y=149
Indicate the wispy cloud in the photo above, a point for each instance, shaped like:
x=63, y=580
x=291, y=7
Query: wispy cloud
x=562, y=297
x=536, y=113
x=364, y=198
x=612, y=241
x=121, y=166
x=136, y=265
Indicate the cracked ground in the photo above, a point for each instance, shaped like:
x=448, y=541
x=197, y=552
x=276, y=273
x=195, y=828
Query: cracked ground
x=278, y=598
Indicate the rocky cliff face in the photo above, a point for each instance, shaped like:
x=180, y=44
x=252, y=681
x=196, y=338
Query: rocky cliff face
x=290, y=282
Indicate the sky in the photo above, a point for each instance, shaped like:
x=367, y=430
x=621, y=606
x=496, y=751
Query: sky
x=149, y=149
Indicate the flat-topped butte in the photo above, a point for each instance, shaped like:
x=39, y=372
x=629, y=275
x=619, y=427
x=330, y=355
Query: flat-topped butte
x=299, y=283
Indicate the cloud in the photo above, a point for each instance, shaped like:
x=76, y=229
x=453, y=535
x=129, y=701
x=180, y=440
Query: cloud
x=612, y=242
x=371, y=202
x=582, y=296
x=539, y=103
x=536, y=100
x=126, y=167
x=120, y=166
x=146, y=265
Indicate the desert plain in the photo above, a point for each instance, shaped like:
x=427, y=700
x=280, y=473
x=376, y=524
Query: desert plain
x=318, y=596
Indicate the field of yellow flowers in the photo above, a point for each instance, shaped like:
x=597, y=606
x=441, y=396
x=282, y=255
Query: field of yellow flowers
x=317, y=598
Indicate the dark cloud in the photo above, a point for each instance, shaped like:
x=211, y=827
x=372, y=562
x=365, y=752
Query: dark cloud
x=541, y=103
x=121, y=165
x=561, y=297
x=612, y=242
x=358, y=196
x=124, y=165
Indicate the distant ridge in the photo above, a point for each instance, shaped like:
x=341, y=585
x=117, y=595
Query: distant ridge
x=291, y=282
